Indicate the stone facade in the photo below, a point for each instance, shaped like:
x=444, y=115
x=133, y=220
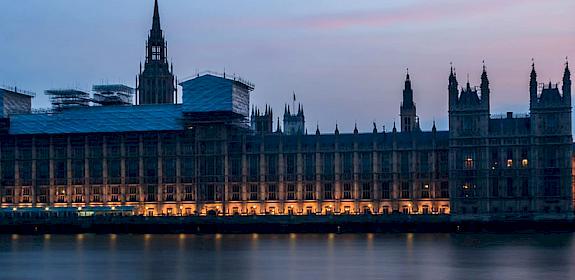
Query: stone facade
x=512, y=165
x=226, y=169
x=168, y=159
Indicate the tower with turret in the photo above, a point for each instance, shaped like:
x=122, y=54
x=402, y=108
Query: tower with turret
x=468, y=139
x=551, y=150
x=262, y=123
x=408, y=111
x=156, y=83
x=294, y=123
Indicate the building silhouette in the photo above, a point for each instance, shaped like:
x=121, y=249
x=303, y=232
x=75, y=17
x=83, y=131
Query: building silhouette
x=156, y=84
x=211, y=155
x=408, y=112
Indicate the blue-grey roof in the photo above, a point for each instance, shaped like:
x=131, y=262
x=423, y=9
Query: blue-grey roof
x=210, y=93
x=104, y=119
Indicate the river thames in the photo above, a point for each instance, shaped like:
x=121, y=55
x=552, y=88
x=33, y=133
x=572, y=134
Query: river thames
x=288, y=256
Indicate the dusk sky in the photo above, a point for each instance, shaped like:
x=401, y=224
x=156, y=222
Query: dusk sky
x=346, y=60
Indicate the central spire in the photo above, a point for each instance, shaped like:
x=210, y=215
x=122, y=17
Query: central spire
x=157, y=84
x=156, y=21
x=407, y=110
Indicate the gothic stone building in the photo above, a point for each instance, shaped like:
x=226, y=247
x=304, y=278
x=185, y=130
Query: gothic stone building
x=201, y=156
x=512, y=163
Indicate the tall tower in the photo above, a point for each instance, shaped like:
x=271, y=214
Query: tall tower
x=551, y=126
x=468, y=141
x=156, y=84
x=407, y=110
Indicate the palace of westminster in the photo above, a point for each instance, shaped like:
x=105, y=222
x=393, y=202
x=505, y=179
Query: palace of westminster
x=214, y=155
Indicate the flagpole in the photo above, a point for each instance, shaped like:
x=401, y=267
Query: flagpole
x=293, y=102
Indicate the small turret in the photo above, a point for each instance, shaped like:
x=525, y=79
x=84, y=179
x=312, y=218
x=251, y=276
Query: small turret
x=452, y=88
x=567, y=84
x=278, y=129
x=533, y=87
x=485, y=91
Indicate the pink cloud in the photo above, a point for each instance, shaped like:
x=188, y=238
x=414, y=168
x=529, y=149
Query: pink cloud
x=427, y=12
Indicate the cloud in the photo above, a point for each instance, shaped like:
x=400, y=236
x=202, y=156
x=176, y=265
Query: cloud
x=426, y=12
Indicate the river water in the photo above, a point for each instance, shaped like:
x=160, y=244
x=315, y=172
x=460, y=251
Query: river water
x=289, y=256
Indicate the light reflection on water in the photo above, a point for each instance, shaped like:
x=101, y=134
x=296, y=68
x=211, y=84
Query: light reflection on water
x=289, y=256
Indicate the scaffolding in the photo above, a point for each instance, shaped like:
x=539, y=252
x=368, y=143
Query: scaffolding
x=113, y=94
x=17, y=90
x=68, y=98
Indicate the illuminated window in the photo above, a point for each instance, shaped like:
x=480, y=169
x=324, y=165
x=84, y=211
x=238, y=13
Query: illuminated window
x=524, y=162
x=469, y=163
x=425, y=191
x=509, y=158
x=468, y=190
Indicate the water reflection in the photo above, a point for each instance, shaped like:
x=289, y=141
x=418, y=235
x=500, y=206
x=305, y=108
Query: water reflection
x=290, y=256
